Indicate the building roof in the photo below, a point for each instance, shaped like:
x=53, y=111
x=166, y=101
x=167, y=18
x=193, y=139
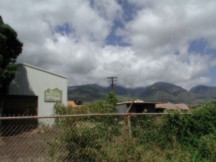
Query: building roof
x=135, y=102
x=168, y=106
x=43, y=70
x=182, y=106
x=71, y=104
x=171, y=106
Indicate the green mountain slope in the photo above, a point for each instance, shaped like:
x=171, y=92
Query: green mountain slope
x=157, y=92
x=204, y=91
x=89, y=92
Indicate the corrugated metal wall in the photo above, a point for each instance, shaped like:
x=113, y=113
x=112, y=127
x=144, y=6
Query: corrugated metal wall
x=33, y=81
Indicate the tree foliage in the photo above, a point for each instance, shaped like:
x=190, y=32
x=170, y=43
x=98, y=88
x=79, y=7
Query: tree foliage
x=10, y=48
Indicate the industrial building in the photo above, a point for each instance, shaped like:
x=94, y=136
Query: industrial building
x=34, y=91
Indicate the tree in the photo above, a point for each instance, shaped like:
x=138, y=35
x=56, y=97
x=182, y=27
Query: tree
x=112, y=101
x=10, y=48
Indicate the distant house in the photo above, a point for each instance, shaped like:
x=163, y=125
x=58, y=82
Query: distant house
x=166, y=106
x=74, y=103
x=170, y=106
x=182, y=107
x=71, y=104
x=138, y=106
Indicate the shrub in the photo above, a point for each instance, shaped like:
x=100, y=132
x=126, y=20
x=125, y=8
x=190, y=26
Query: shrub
x=146, y=129
x=82, y=142
x=103, y=106
x=207, y=146
x=173, y=137
x=195, y=132
x=204, y=118
x=60, y=109
x=122, y=148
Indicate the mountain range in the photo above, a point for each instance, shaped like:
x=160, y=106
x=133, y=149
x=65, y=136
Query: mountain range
x=157, y=92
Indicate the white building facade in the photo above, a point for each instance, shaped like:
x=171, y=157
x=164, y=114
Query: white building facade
x=35, y=85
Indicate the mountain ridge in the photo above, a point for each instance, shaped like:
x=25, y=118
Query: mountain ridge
x=157, y=92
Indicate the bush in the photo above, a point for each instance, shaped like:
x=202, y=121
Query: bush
x=173, y=137
x=146, y=129
x=207, y=147
x=85, y=140
x=60, y=109
x=103, y=106
x=195, y=132
x=204, y=118
x=82, y=142
x=122, y=147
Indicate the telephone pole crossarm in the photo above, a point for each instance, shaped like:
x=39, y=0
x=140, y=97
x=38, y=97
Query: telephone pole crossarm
x=112, y=81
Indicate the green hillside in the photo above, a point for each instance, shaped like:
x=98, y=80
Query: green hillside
x=157, y=92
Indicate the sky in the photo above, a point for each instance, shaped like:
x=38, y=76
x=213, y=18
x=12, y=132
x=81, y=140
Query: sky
x=139, y=41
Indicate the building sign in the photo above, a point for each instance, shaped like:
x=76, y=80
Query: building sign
x=53, y=95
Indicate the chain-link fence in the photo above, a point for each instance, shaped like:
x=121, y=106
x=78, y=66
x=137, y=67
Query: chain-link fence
x=96, y=137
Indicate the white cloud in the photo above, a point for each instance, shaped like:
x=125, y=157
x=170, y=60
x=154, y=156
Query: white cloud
x=159, y=34
x=166, y=25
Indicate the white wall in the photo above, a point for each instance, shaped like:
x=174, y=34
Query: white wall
x=122, y=108
x=33, y=81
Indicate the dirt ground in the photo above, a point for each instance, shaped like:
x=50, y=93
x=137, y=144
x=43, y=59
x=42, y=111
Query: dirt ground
x=34, y=145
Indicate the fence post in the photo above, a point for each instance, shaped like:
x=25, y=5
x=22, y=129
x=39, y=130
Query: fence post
x=129, y=125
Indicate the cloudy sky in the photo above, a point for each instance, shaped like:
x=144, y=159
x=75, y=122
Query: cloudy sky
x=139, y=41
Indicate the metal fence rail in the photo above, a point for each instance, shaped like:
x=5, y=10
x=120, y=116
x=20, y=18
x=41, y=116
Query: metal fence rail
x=85, y=137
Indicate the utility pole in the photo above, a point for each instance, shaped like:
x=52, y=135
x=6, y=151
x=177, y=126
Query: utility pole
x=112, y=81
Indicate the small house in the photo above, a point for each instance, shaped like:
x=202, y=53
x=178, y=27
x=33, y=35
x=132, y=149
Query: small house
x=138, y=106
